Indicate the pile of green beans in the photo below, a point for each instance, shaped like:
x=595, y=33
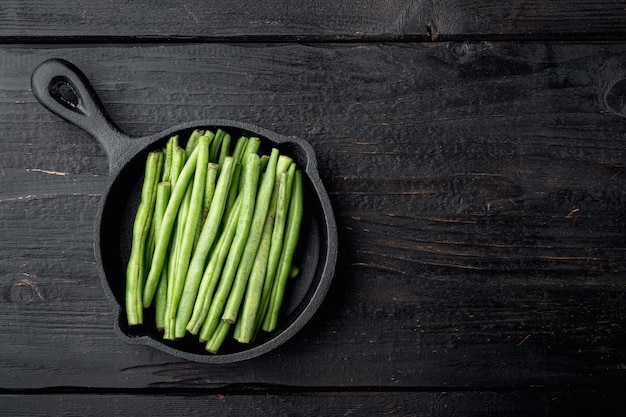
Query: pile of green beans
x=214, y=238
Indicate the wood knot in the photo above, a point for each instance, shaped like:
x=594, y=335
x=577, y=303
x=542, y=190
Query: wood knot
x=466, y=51
x=24, y=291
x=444, y=405
x=460, y=49
x=615, y=98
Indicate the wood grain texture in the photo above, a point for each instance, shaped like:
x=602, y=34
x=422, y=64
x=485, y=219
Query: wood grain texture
x=478, y=188
x=317, y=403
x=310, y=20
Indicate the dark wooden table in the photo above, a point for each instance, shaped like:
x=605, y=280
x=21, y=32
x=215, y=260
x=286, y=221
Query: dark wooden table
x=475, y=157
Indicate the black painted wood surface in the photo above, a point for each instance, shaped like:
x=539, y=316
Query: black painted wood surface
x=319, y=403
x=478, y=186
x=311, y=20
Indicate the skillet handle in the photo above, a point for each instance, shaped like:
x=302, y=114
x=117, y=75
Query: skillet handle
x=64, y=90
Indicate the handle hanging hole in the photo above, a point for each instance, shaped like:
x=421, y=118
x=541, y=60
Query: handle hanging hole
x=62, y=90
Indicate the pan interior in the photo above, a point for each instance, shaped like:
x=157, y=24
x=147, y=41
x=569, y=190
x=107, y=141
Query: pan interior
x=115, y=230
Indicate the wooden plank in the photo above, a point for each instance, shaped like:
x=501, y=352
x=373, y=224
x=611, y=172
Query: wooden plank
x=478, y=188
x=312, y=403
x=310, y=20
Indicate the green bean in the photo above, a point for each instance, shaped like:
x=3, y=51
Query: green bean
x=179, y=228
x=191, y=223
x=252, y=146
x=178, y=162
x=212, y=272
x=276, y=245
x=176, y=239
x=148, y=250
x=205, y=243
x=211, y=135
x=265, y=159
x=250, y=180
x=162, y=242
x=246, y=325
x=238, y=330
x=233, y=191
x=217, y=338
x=209, y=191
x=167, y=164
x=254, y=238
x=163, y=194
x=216, y=144
x=223, y=153
x=169, y=265
x=209, y=188
x=240, y=147
x=292, y=233
x=160, y=300
x=284, y=163
x=192, y=142
x=151, y=238
x=141, y=226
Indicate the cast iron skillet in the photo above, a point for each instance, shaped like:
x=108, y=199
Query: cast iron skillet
x=65, y=91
